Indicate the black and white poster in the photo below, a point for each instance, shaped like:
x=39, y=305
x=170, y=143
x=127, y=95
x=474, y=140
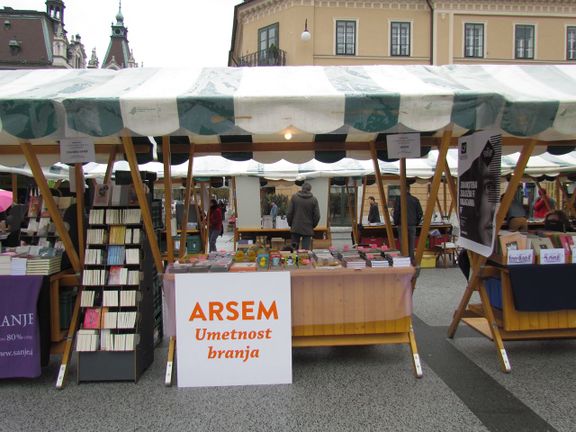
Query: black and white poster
x=479, y=158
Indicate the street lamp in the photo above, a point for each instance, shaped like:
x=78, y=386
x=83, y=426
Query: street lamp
x=306, y=35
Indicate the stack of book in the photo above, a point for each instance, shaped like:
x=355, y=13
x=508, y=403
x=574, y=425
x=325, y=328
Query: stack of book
x=5, y=264
x=401, y=261
x=43, y=265
x=18, y=266
x=354, y=262
x=376, y=261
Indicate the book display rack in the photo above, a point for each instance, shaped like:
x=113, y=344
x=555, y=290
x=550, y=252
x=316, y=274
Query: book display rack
x=116, y=338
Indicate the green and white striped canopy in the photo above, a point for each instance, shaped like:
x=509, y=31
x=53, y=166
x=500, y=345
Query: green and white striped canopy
x=523, y=101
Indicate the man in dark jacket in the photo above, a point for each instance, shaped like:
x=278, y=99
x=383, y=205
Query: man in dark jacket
x=303, y=216
x=414, y=218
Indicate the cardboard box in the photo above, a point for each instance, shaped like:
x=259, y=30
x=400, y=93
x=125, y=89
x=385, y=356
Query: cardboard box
x=428, y=261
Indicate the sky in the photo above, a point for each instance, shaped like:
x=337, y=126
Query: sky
x=173, y=33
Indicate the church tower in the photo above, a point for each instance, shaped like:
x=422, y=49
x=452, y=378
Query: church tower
x=119, y=55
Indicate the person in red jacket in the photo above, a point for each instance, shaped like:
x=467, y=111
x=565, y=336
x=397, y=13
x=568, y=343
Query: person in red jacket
x=543, y=205
x=215, y=224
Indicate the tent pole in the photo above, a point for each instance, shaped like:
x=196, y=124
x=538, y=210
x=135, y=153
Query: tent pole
x=445, y=195
x=142, y=201
x=440, y=166
x=403, y=213
x=352, y=211
x=51, y=205
x=110, y=166
x=167, y=159
x=80, y=205
x=364, y=179
x=189, y=186
x=386, y=213
x=233, y=182
x=14, y=188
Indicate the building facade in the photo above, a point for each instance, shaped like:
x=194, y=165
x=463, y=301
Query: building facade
x=361, y=32
x=34, y=39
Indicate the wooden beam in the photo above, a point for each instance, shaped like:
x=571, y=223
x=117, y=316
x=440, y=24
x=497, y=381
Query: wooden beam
x=14, y=188
x=51, y=205
x=364, y=180
x=404, y=209
x=110, y=165
x=143, y=202
x=187, y=192
x=440, y=167
x=168, y=197
x=80, y=206
x=385, y=213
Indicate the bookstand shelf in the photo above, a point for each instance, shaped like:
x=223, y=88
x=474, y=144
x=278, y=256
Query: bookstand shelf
x=118, y=365
x=513, y=320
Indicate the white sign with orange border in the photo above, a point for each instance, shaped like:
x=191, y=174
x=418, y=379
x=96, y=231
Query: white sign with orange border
x=233, y=329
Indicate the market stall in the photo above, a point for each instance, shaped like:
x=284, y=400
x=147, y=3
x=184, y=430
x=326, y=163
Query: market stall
x=281, y=113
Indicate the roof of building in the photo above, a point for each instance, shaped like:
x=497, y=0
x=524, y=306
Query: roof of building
x=28, y=38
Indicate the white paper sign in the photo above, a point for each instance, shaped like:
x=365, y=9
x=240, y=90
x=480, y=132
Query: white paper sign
x=233, y=329
x=78, y=150
x=520, y=256
x=403, y=145
x=574, y=255
x=552, y=256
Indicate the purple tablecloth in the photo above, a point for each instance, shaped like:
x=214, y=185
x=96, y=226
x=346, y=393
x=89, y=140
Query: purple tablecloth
x=19, y=326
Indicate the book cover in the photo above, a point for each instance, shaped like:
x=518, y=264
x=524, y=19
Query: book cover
x=540, y=243
x=92, y=318
x=34, y=206
x=102, y=195
x=566, y=242
x=116, y=276
x=132, y=197
x=512, y=241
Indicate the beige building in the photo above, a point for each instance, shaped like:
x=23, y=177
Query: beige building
x=354, y=32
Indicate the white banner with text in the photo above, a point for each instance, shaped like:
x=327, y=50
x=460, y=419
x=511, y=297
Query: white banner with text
x=233, y=329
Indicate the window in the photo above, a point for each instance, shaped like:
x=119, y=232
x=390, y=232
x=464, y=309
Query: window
x=474, y=40
x=346, y=38
x=400, y=39
x=524, y=41
x=571, y=43
x=268, y=45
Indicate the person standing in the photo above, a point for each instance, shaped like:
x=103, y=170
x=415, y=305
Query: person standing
x=215, y=223
x=273, y=213
x=303, y=216
x=414, y=218
x=373, y=213
x=543, y=204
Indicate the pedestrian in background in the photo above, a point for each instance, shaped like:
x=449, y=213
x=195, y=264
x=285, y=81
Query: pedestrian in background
x=303, y=216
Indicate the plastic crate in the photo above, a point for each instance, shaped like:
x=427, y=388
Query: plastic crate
x=428, y=261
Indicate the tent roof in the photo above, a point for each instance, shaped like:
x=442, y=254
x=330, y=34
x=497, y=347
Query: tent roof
x=208, y=104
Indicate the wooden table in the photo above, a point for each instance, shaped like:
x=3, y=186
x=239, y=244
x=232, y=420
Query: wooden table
x=338, y=307
x=353, y=307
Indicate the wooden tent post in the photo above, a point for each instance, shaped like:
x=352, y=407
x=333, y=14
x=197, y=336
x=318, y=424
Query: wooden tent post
x=79, y=176
x=440, y=166
x=14, y=188
x=403, y=209
x=233, y=182
x=189, y=186
x=110, y=166
x=51, y=205
x=364, y=180
x=69, y=247
x=167, y=158
x=143, y=202
x=386, y=213
x=352, y=213
x=475, y=282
